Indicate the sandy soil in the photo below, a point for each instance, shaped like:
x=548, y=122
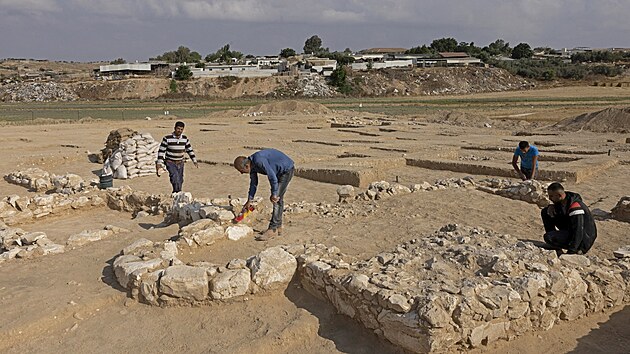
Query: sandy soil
x=71, y=302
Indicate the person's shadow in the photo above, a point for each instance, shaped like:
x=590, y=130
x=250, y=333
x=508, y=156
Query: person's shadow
x=612, y=336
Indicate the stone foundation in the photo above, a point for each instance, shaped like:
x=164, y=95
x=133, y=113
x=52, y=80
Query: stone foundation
x=17, y=243
x=464, y=287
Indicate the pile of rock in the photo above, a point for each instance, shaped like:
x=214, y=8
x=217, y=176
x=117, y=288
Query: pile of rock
x=382, y=189
x=135, y=157
x=314, y=86
x=17, y=243
x=37, y=92
x=33, y=178
x=153, y=274
x=88, y=236
x=186, y=209
x=15, y=209
x=621, y=211
x=206, y=232
x=138, y=202
x=326, y=210
x=530, y=191
x=39, y=180
x=465, y=287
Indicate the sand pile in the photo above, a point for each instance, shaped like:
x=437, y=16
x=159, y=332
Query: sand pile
x=609, y=120
x=281, y=108
x=464, y=119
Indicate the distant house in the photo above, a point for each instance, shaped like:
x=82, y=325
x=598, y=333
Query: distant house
x=133, y=69
x=322, y=66
x=233, y=70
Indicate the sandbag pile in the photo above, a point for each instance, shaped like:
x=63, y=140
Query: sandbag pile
x=134, y=157
x=114, y=139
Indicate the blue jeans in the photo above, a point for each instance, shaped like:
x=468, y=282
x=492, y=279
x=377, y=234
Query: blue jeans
x=176, y=174
x=278, y=208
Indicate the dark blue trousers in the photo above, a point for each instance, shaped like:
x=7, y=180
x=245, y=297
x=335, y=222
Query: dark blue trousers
x=176, y=174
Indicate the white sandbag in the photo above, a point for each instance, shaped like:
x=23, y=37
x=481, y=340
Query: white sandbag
x=107, y=168
x=128, y=157
x=130, y=163
x=137, y=137
x=153, y=146
x=121, y=172
x=132, y=171
x=116, y=159
x=146, y=136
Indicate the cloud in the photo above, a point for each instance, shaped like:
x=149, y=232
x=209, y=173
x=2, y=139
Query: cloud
x=29, y=6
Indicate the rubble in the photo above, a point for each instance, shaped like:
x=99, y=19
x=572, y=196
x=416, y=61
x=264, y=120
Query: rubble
x=37, y=92
x=88, y=236
x=464, y=287
x=39, y=180
x=314, y=86
x=15, y=209
x=17, y=243
x=621, y=211
x=530, y=191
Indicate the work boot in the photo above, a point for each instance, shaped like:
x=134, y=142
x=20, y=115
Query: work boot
x=267, y=235
x=279, y=230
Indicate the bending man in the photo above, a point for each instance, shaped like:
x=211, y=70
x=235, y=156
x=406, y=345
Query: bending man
x=279, y=170
x=529, y=160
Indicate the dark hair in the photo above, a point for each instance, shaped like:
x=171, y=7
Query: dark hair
x=179, y=124
x=555, y=187
x=523, y=144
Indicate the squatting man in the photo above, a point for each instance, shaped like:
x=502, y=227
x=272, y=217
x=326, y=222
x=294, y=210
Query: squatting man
x=568, y=222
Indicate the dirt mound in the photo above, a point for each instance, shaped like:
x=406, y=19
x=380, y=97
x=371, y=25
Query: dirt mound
x=464, y=119
x=609, y=120
x=282, y=108
x=435, y=81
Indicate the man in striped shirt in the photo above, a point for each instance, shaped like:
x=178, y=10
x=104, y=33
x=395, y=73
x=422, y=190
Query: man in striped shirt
x=171, y=156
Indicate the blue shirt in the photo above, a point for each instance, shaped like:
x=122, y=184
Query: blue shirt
x=528, y=157
x=270, y=162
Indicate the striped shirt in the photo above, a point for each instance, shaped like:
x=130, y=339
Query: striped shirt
x=173, y=148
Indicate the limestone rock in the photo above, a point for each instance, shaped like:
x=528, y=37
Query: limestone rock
x=623, y=252
x=271, y=267
x=185, y=282
x=141, y=243
x=345, y=192
x=237, y=232
x=576, y=260
x=125, y=265
x=87, y=236
x=230, y=283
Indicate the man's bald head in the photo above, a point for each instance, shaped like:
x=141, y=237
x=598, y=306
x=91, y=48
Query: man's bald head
x=242, y=164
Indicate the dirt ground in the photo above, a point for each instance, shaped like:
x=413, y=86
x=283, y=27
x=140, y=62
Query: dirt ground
x=71, y=302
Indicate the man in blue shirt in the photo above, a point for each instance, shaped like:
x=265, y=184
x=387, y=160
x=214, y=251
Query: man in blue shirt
x=529, y=160
x=279, y=170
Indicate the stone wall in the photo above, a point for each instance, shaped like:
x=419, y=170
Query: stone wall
x=465, y=287
x=39, y=180
x=17, y=243
x=153, y=274
x=16, y=209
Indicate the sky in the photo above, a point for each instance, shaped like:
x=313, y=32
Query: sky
x=103, y=30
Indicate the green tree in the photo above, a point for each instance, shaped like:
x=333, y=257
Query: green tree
x=522, y=51
x=287, y=52
x=118, y=61
x=224, y=55
x=183, y=72
x=339, y=79
x=499, y=47
x=419, y=50
x=444, y=45
x=181, y=55
x=313, y=45
x=173, y=86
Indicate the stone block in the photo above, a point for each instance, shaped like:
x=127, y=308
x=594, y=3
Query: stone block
x=185, y=282
x=230, y=283
x=142, y=243
x=124, y=266
x=237, y=232
x=271, y=267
